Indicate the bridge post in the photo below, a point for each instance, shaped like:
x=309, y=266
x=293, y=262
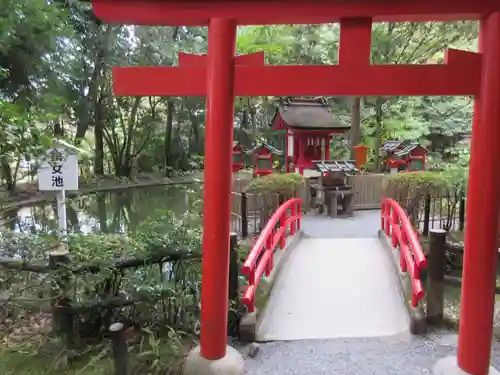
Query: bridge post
x=435, y=278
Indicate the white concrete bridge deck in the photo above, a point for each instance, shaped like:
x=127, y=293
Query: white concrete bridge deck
x=334, y=288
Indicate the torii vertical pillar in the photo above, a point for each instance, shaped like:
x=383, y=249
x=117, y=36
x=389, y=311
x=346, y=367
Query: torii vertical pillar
x=213, y=357
x=217, y=190
x=483, y=209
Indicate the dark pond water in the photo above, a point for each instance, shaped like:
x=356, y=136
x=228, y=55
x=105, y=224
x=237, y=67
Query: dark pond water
x=110, y=212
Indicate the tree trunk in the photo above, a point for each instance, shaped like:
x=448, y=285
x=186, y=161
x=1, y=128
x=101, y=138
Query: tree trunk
x=91, y=100
x=378, y=133
x=355, y=133
x=9, y=179
x=167, y=140
x=99, y=142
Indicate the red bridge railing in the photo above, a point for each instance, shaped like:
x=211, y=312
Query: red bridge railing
x=396, y=224
x=260, y=257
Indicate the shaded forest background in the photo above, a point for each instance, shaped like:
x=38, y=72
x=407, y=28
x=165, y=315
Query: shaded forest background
x=55, y=80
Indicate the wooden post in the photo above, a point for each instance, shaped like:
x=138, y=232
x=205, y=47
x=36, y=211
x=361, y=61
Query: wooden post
x=233, y=268
x=233, y=319
x=435, y=285
x=62, y=315
x=121, y=357
x=427, y=215
x=244, y=215
x=461, y=213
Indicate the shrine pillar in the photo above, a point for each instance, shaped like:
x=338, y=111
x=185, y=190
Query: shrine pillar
x=483, y=204
x=212, y=356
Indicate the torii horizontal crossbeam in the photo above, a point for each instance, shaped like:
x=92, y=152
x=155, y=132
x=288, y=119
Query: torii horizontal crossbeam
x=257, y=12
x=461, y=75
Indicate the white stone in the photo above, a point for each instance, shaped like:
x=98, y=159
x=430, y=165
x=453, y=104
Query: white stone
x=449, y=366
x=231, y=364
x=334, y=288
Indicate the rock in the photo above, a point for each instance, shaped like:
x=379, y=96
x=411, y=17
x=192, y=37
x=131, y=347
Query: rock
x=253, y=349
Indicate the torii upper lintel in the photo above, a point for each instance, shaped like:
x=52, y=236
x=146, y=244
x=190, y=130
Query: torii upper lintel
x=262, y=12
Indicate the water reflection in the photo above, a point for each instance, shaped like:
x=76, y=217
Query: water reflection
x=108, y=212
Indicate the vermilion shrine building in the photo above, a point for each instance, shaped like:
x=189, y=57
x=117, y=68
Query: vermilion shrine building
x=262, y=158
x=238, y=156
x=308, y=125
x=401, y=156
x=221, y=75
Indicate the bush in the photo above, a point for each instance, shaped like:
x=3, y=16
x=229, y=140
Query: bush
x=411, y=190
x=415, y=184
x=285, y=184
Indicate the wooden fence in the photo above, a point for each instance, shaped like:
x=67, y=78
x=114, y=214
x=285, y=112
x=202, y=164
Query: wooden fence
x=368, y=188
x=250, y=212
x=170, y=281
x=437, y=210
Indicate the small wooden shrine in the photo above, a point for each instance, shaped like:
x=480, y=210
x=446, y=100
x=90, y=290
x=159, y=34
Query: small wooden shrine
x=262, y=156
x=309, y=126
x=331, y=189
x=401, y=156
x=238, y=156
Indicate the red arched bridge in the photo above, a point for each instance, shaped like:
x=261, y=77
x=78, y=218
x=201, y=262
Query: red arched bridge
x=333, y=278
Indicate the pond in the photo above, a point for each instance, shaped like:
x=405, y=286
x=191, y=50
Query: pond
x=108, y=212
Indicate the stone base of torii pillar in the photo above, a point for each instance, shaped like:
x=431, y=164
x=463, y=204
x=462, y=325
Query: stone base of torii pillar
x=231, y=364
x=449, y=366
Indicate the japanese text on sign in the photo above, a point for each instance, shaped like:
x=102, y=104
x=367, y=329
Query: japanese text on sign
x=57, y=165
x=58, y=171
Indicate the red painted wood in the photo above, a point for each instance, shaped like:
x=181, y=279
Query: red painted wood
x=483, y=210
x=252, y=12
x=355, y=41
x=217, y=191
x=395, y=223
x=269, y=238
x=190, y=60
x=293, y=80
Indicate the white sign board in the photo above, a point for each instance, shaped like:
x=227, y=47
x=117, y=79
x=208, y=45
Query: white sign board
x=58, y=171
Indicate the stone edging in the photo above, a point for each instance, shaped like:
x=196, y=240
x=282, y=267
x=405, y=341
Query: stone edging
x=97, y=189
x=250, y=321
x=418, y=322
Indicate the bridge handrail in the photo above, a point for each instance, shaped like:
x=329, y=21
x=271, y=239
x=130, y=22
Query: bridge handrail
x=271, y=235
x=395, y=223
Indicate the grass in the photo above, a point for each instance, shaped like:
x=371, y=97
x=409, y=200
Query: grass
x=153, y=355
x=23, y=363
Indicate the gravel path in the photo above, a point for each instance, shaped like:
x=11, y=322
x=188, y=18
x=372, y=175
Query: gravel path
x=397, y=355
x=402, y=354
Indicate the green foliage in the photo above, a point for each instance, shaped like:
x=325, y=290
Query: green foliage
x=418, y=180
x=20, y=136
x=412, y=190
x=154, y=235
x=420, y=184
x=285, y=184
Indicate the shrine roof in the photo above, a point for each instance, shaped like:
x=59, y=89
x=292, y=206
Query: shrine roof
x=308, y=114
x=272, y=149
x=390, y=146
x=324, y=166
x=409, y=148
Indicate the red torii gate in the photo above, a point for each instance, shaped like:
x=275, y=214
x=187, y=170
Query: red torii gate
x=221, y=75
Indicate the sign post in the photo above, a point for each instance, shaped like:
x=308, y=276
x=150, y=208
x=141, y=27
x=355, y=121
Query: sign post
x=58, y=172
